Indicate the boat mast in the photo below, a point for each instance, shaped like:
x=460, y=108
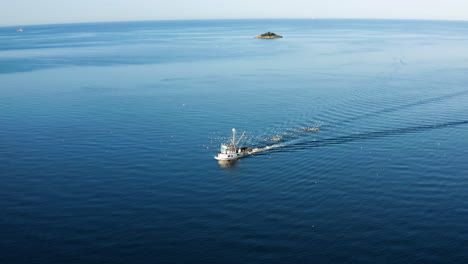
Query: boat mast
x=239, y=140
x=233, y=140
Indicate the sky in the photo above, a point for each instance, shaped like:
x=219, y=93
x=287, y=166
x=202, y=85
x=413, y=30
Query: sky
x=28, y=12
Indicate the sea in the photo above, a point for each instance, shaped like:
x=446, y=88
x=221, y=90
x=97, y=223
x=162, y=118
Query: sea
x=108, y=133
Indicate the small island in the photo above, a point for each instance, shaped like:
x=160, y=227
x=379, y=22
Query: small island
x=268, y=35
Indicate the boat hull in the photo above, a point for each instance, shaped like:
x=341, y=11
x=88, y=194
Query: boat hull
x=235, y=156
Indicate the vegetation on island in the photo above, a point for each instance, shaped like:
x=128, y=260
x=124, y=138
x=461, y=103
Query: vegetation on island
x=269, y=35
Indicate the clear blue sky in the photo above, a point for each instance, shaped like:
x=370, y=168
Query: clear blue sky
x=26, y=12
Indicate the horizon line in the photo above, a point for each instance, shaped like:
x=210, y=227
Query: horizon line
x=214, y=19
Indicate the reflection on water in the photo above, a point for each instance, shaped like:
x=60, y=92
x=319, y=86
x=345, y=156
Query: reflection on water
x=227, y=163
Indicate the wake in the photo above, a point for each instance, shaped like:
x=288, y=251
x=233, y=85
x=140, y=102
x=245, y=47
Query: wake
x=303, y=143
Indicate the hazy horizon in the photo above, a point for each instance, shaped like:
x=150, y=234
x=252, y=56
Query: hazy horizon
x=28, y=12
x=220, y=19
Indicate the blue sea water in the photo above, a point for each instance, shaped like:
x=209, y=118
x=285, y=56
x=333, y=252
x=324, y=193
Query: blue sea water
x=108, y=132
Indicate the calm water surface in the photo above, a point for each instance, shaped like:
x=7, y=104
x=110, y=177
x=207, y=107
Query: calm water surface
x=108, y=132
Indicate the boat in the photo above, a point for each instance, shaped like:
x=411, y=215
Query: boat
x=20, y=30
x=308, y=129
x=231, y=151
x=276, y=139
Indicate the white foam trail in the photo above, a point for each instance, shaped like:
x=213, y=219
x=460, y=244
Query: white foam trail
x=275, y=146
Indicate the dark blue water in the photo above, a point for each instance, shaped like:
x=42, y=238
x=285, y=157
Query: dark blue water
x=108, y=132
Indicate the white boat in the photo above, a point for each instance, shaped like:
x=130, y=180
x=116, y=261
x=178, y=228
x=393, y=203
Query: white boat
x=231, y=151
